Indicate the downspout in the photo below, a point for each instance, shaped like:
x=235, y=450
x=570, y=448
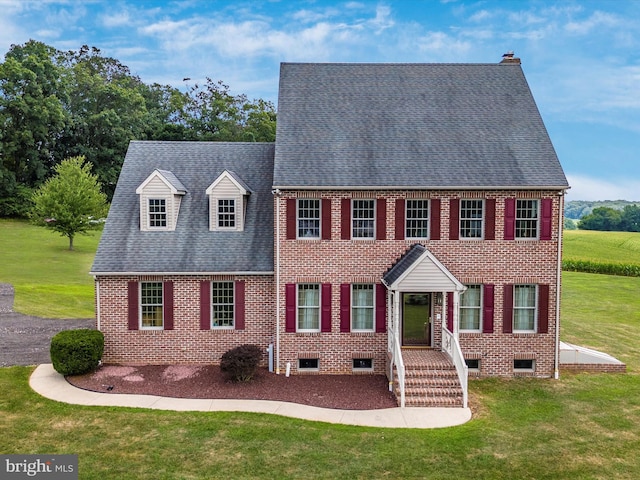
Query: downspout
x=97, y=302
x=556, y=373
x=277, y=194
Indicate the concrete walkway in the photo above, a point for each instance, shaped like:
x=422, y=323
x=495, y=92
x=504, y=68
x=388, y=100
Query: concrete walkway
x=50, y=384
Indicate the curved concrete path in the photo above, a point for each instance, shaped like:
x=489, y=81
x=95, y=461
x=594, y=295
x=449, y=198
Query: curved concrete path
x=50, y=384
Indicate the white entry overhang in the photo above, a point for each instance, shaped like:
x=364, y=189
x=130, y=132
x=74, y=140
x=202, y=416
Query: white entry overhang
x=420, y=271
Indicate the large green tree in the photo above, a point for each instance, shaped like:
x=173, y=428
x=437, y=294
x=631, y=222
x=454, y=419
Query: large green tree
x=71, y=201
x=32, y=118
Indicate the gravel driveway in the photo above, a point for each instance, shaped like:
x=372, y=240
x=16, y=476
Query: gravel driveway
x=25, y=340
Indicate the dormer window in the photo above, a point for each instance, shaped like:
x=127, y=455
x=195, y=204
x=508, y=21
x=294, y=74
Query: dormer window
x=228, y=196
x=157, y=213
x=160, y=198
x=227, y=213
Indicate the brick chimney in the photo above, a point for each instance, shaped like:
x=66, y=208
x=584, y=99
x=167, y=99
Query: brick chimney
x=509, y=58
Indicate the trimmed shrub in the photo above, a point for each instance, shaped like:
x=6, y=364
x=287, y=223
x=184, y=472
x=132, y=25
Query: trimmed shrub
x=74, y=352
x=240, y=364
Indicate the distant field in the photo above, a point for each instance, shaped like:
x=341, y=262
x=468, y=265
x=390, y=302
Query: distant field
x=603, y=247
x=50, y=280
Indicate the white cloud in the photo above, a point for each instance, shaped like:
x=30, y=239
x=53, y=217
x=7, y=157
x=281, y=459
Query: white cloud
x=589, y=188
x=597, y=20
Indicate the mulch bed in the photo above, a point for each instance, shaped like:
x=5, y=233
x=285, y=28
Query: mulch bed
x=349, y=392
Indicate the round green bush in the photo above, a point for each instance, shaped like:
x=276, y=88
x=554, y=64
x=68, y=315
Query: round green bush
x=74, y=352
x=240, y=364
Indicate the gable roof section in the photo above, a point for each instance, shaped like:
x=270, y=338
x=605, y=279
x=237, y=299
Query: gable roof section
x=235, y=179
x=419, y=268
x=411, y=126
x=191, y=248
x=168, y=178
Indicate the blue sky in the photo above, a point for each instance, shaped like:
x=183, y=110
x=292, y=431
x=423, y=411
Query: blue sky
x=581, y=58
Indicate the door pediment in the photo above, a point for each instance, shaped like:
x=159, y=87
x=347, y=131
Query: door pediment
x=420, y=270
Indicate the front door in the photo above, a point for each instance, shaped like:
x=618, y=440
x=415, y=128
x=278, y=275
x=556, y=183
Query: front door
x=416, y=319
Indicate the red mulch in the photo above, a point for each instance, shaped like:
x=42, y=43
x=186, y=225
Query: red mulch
x=350, y=392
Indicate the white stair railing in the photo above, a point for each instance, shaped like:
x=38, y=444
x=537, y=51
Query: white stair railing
x=396, y=359
x=451, y=347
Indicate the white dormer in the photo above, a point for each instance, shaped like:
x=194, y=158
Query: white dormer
x=160, y=197
x=227, y=202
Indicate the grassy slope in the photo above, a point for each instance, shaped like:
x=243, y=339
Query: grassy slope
x=606, y=247
x=50, y=280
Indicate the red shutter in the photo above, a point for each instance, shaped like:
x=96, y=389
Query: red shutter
x=400, y=218
x=325, y=307
x=507, y=309
x=238, y=304
x=509, y=218
x=543, y=308
x=487, y=309
x=290, y=312
x=381, y=219
x=346, y=219
x=381, y=308
x=292, y=214
x=490, y=219
x=345, y=307
x=167, y=301
x=434, y=219
x=326, y=219
x=454, y=219
x=205, y=305
x=132, y=304
x=546, y=214
x=450, y=311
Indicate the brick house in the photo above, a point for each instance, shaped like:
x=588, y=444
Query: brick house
x=407, y=218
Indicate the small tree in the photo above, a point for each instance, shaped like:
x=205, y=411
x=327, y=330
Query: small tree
x=70, y=202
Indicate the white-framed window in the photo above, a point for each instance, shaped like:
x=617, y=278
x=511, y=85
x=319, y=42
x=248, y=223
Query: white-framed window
x=524, y=365
x=524, y=308
x=363, y=219
x=417, y=218
x=222, y=305
x=227, y=213
x=157, y=211
x=309, y=364
x=473, y=364
x=151, y=311
x=471, y=308
x=362, y=307
x=308, y=318
x=471, y=217
x=308, y=218
x=362, y=365
x=527, y=216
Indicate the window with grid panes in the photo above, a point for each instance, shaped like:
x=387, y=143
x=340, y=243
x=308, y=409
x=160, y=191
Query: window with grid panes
x=527, y=219
x=471, y=308
x=226, y=213
x=471, y=218
x=151, y=304
x=308, y=307
x=308, y=218
x=362, y=308
x=417, y=219
x=222, y=303
x=363, y=218
x=157, y=212
x=524, y=308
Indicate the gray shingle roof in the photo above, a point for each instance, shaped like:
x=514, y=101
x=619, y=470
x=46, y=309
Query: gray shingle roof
x=405, y=262
x=124, y=248
x=411, y=125
x=173, y=180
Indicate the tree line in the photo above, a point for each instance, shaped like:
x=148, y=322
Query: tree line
x=611, y=219
x=61, y=104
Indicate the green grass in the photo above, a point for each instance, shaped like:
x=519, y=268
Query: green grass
x=604, y=247
x=50, y=280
